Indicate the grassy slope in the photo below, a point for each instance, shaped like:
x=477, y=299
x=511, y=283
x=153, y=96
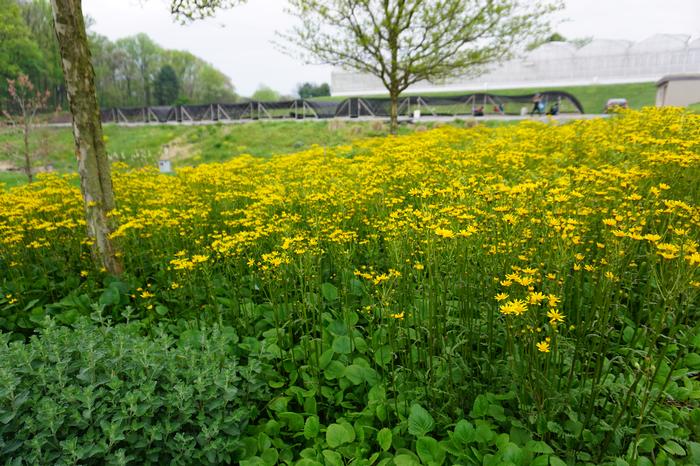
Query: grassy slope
x=592, y=97
x=141, y=145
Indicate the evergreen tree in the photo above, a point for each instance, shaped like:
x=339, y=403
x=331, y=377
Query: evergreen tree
x=166, y=86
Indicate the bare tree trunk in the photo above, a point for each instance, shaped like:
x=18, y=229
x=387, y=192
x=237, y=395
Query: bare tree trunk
x=93, y=165
x=27, y=156
x=394, y=123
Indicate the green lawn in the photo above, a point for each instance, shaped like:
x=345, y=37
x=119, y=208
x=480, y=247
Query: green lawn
x=592, y=97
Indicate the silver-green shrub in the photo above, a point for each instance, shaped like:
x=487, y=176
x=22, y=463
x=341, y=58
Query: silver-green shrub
x=109, y=395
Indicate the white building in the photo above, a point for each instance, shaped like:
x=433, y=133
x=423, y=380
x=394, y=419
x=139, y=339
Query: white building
x=559, y=64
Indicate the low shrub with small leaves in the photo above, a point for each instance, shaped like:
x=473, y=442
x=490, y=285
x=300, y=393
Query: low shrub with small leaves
x=108, y=395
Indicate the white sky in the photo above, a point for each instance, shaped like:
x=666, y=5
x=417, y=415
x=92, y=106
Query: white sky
x=239, y=41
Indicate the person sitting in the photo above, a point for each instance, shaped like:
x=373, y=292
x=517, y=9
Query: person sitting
x=479, y=111
x=554, y=109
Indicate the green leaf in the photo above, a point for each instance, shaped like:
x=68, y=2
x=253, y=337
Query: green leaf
x=312, y=427
x=329, y=292
x=383, y=355
x=430, y=451
x=338, y=327
x=337, y=435
x=513, y=453
x=673, y=448
x=464, y=432
x=384, y=439
x=540, y=461
x=481, y=406
x=333, y=458
x=270, y=456
x=538, y=447
x=161, y=310
x=294, y=421
x=420, y=422
x=279, y=404
x=555, y=461
x=342, y=344
x=326, y=358
x=406, y=460
x=335, y=370
x=110, y=296
x=355, y=373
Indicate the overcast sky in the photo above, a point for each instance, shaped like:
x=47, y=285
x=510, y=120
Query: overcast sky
x=238, y=41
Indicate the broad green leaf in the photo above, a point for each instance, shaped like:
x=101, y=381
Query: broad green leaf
x=294, y=421
x=335, y=370
x=279, y=404
x=420, y=422
x=540, y=461
x=337, y=435
x=329, y=291
x=312, y=427
x=481, y=406
x=538, y=447
x=430, y=451
x=673, y=448
x=342, y=344
x=355, y=373
x=383, y=355
x=406, y=460
x=333, y=458
x=270, y=456
x=384, y=437
x=555, y=461
x=464, y=432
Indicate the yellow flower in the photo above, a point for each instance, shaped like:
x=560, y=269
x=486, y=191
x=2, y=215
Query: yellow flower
x=397, y=316
x=536, y=297
x=555, y=317
x=501, y=296
x=84, y=273
x=553, y=300
x=543, y=346
x=516, y=307
x=147, y=294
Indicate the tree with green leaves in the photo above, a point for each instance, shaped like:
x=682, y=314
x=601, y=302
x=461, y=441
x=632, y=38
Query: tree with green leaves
x=309, y=90
x=265, y=94
x=19, y=52
x=166, y=86
x=404, y=42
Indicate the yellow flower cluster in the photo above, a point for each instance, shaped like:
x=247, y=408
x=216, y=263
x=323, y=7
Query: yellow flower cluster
x=535, y=205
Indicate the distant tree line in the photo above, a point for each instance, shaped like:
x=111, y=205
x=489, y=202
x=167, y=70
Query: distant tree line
x=133, y=71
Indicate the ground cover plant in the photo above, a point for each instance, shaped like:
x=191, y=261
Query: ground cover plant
x=523, y=295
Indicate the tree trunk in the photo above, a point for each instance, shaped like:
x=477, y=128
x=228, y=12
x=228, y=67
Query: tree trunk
x=93, y=165
x=27, y=156
x=394, y=123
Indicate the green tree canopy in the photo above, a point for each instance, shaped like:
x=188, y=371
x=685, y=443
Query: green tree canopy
x=309, y=90
x=19, y=53
x=166, y=86
x=265, y=94
x=403, y=42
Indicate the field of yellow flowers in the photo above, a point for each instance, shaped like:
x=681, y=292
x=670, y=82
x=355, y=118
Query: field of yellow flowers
x=522, y=295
